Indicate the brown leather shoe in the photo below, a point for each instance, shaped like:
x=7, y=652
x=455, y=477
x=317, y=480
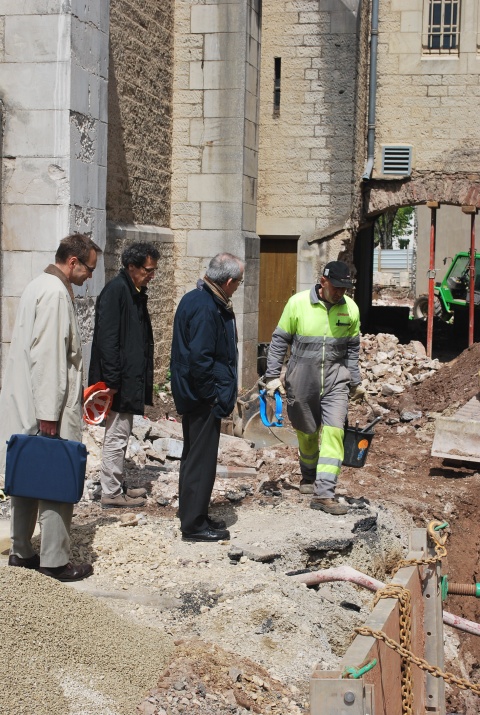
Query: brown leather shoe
x=137, y=492
x=33, y=562
x=330, y=506
x=122, y=501
x=134, y=492
x=69, y=572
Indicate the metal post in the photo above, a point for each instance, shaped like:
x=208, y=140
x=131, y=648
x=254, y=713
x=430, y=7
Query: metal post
x=471, y=307
x=433, y=206
x=471, y=303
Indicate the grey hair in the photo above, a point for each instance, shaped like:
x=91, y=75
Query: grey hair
x=224, y=266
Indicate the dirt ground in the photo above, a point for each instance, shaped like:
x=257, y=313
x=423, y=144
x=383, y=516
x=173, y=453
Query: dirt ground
x=245, y=639
x=401, y=474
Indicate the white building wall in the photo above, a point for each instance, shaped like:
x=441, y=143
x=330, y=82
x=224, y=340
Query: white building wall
x=53, y=82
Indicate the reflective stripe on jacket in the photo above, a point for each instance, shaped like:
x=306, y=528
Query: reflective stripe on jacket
x=325, y=344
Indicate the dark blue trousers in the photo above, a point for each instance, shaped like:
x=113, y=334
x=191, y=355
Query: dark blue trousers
x=198, y=467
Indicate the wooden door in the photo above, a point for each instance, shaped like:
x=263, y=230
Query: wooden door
x=278, y=281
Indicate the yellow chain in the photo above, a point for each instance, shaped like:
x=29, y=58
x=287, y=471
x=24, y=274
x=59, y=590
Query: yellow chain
x=440, y=550
x=420, y=662
x=405, y=620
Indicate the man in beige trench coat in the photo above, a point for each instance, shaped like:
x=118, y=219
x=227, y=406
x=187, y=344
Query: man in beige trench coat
x=42, y=391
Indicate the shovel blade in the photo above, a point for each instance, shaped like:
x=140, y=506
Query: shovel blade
x=255, y=431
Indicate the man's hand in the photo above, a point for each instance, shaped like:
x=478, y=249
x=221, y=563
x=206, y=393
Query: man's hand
x=357, y=393
x=48, y=428
x=273, y=385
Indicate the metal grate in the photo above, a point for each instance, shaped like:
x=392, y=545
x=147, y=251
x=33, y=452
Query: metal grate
x=443, y=27
x=397, y=160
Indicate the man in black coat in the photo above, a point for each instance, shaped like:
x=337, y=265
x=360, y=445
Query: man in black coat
x=204, y=386
x=122, y=357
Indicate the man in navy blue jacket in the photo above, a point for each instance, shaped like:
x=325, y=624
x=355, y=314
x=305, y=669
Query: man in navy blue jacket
x=204, y=386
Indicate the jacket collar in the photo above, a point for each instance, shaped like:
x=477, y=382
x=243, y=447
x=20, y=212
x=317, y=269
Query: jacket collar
x=52, y=270
x=131, y=284
x=315, y=299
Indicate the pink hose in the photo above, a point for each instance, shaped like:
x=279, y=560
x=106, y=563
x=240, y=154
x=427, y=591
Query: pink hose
x=347, y=573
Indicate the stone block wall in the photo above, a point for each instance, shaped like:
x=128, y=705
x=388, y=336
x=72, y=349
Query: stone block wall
x=307, y=147
x=140, y=111
x=428, y=101
x=139, y=151
x=215, y=149
x=53, y=76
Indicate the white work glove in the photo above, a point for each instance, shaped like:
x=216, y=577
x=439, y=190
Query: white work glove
x=357, y=393
x=273, y=385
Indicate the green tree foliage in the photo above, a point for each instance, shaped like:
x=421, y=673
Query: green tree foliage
x=394, y=223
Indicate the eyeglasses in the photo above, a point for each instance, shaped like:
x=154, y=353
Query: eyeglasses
x=239, y=281
x=89, y=268
x=149, y=271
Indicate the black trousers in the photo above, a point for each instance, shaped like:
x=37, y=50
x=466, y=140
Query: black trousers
x=198, y=467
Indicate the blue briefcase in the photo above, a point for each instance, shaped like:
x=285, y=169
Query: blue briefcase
x=48, y=468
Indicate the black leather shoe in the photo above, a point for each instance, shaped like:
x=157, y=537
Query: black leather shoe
x=70, y=572
x=207, y=535
x=216, y=525
x=33, y=562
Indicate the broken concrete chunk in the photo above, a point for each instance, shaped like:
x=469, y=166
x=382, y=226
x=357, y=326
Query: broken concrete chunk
x=389, y=389
x=235, y=674
x=410, y=415
x=172, y=447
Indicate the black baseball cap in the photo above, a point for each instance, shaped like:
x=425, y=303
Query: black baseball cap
x=338, y=273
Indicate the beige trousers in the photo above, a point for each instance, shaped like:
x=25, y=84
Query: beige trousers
x=118, y=428
x=54, y=518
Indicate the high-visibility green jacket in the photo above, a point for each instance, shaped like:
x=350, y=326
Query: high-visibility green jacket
x=325, y=344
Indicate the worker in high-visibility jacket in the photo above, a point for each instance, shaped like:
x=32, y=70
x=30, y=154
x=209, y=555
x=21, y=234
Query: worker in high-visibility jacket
x=322, y=328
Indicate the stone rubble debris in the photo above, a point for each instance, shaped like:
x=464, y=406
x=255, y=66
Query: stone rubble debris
x=388, y=367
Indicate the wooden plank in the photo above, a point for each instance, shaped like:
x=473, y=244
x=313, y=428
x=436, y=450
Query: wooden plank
x=385, y=678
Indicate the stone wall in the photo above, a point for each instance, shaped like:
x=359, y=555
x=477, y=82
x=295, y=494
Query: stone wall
x=53, y=77
x=215, y=148
x=307, y=147
x=139, y=151
x=428, y=101
x=140, y=111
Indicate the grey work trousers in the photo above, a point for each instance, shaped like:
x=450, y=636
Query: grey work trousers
x=118, y=428
x=54, y=518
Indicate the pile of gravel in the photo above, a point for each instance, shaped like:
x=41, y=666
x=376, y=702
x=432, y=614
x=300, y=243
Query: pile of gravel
x=66, y=652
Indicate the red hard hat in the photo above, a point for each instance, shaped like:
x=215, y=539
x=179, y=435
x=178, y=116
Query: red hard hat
x=96, y=403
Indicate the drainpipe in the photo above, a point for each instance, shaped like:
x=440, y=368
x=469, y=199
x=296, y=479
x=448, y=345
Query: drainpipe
x=372, y=92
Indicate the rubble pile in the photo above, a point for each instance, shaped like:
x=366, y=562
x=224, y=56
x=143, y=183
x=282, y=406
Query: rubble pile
x=153, y=458
x=388, y=367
